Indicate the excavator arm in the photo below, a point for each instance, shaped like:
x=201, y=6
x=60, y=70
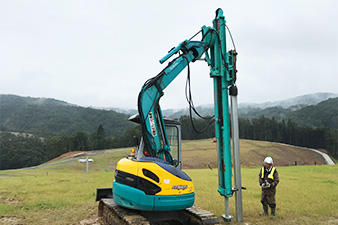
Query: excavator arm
x=222, y=70
x=153, y=129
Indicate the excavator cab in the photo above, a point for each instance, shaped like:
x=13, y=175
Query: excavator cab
x=173, y=130
x=150, y=183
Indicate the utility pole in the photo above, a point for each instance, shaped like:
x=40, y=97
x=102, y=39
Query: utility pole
x=87, y=165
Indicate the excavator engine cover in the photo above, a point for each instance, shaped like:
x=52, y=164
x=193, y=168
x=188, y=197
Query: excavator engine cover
x=152, y=184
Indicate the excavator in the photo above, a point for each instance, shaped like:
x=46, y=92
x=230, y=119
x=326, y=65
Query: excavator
x=149, y=184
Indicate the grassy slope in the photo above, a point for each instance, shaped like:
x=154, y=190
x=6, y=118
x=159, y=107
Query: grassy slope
x=201, y=153
x=64, y=194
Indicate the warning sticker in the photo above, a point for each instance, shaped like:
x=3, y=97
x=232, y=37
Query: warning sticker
x=152, y=124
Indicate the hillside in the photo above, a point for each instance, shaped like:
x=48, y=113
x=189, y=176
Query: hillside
x=323, y=114
x=49, y=116
x=202, y=154
x=71, y=128
x=315, y=110
x=278, y=109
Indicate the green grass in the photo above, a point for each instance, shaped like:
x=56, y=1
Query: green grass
x=56, y=194
x=305, y=195
x=65, y=194
x=53, y=196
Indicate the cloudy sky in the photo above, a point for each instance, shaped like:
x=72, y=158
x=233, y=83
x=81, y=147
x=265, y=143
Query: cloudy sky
x=99, y=53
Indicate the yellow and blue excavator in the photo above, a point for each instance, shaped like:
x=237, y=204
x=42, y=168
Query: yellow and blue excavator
x=150, y=178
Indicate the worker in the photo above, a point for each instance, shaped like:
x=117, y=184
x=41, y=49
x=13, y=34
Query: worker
x=268, y=179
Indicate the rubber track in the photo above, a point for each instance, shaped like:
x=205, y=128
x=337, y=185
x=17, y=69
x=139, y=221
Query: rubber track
x=110, y=214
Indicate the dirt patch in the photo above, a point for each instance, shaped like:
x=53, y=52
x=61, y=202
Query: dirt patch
x=8, y=201
x=67, y=156
x=93, y=220
x=11, y=219
x=333, y=221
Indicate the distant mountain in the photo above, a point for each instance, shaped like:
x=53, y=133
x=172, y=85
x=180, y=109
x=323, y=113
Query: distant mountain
x=324, y=114
x=124, y=111
x=206, y=110
x=50, y=116
x=278, y=109
x=9, y=104
x=304, y=100
x=279, y=113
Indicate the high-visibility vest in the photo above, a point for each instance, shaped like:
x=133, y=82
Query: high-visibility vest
x=271, y=173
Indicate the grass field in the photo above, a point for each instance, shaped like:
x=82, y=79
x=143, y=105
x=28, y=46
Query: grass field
x=64, y=193
x=305, y=195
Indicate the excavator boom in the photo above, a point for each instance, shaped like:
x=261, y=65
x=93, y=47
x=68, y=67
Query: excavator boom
x=153, y=129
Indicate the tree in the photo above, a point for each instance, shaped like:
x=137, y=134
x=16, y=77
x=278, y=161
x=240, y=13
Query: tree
x=189, y=132
x=98, y=139
x=58, y=145
x=127, y=139
x=80, y=141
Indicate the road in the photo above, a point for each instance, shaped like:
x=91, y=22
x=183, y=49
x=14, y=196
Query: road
x=327, y=158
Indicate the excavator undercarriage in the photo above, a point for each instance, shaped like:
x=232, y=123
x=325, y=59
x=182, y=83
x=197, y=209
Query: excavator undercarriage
x=110, y=213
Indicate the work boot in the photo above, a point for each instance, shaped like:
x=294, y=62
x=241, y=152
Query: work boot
x=265, y=213
x=273, y=213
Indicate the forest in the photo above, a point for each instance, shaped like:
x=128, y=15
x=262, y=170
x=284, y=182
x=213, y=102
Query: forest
x=22, y=151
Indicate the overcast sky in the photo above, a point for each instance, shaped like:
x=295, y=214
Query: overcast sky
x=99, y=53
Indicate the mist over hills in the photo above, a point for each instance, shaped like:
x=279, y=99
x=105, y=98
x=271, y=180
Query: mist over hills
x=51, y=116
x=46, y=116
x=323, y=114
x=303, y=100
x=277, y=109
x=248, y=110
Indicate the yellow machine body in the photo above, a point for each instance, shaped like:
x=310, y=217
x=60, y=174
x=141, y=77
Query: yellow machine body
x=152, y=184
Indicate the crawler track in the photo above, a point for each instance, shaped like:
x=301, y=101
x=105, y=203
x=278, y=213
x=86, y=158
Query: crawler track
x=110, y=213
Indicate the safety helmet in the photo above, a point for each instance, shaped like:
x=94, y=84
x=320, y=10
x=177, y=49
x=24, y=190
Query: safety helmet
x=268, y=160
